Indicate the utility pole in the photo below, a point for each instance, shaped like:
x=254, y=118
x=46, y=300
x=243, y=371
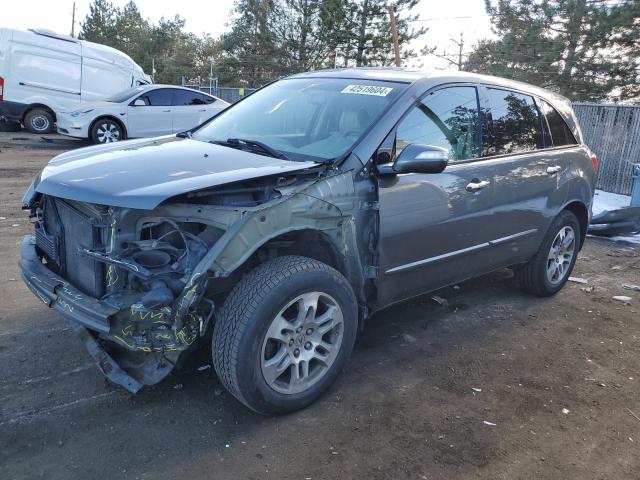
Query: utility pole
x=460, y=47
x=73, y=20
x=394, y=34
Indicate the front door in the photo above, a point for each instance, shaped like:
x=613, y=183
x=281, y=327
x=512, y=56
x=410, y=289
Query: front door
x=435, y=227
x=152, y=119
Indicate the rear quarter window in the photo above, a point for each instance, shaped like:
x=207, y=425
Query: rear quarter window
x=560, y=133
x=515, y=122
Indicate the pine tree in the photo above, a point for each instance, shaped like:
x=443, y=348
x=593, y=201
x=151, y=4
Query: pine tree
x=100, y=24
x=584, y=49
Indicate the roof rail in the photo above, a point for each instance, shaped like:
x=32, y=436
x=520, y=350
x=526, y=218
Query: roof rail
x=48, y=33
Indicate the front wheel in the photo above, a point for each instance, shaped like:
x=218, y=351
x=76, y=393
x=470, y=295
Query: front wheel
x=284, y=334
x=106, y=131
x=549, y=270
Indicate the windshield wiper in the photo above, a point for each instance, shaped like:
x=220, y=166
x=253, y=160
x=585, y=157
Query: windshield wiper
x=252, y=144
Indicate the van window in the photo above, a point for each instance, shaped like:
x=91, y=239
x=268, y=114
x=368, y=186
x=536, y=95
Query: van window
x=515, y=122
x=446, y=118
x=159, y=97
x=560, y=133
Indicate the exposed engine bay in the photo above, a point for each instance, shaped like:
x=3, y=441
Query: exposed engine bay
x=160, y=272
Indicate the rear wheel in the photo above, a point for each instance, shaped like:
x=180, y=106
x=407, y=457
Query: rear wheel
x=106, y=131
x=548, y=271
x=284, y=334
x=39, y=120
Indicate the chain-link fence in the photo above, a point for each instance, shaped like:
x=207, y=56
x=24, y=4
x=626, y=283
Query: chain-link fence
x=613, y=133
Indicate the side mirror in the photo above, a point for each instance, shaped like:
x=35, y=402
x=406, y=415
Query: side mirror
x=416, y=158
x=139, y=103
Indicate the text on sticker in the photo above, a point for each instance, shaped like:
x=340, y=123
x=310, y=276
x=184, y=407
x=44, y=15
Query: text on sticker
x=367, y=90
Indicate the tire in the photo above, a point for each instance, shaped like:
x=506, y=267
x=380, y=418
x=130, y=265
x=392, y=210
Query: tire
x=106, y=130
x=39, y=120
x=9, y=126
x=541, y=276
x=264, y=305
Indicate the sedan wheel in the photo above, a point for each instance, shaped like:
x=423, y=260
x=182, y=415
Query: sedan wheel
x=106, y=131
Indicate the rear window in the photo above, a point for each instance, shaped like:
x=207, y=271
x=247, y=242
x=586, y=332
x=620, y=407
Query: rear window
x=516, y=125
x=560, y=133
x=187, y=97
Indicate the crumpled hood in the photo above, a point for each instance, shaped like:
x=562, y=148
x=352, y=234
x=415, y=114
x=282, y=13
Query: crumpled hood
x=143, y=173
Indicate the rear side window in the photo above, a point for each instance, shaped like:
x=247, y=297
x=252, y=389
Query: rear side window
x=560, y=133
x=186, y=97
x=515, y=123
x=207, y=99
x=159, y=97
x=446, y=118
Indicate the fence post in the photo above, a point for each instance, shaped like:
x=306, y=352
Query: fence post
x=635, y=192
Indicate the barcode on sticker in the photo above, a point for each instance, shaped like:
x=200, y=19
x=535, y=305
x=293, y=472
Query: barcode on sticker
x=367, y=90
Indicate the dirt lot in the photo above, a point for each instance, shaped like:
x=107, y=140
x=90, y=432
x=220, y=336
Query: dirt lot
x=495, y=385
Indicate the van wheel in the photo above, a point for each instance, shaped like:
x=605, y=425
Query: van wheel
x=284, y=333
x=106, y=131
x=548, y=271
x=39, y=120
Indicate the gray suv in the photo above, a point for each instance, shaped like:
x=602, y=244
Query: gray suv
x=277, y=228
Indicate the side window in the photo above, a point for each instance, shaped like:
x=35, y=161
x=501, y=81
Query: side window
x=155, y=98
x=446, y=118
x=207, y=99
x=186, y=97
x=515, y=122
x=560, y=133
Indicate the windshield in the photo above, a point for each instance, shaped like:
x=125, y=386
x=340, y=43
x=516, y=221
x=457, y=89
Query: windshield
x=305, y=118
x=124, y=94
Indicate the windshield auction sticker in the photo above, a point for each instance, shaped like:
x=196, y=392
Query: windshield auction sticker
x=367, y=90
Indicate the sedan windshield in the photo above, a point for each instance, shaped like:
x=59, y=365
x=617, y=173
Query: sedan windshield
x=304, y=118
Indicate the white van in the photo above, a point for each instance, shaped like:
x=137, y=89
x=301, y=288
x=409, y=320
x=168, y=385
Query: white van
x=42, y=73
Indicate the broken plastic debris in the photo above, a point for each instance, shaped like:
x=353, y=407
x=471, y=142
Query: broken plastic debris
x=203, y=367
x=565, y=411
x=578, y=280
x=491, y=424
x=622, y=298
x=635, y=288
x=476, y=389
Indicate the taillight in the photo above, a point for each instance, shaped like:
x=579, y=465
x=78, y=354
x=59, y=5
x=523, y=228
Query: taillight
x=594, y=162
x=1, y=88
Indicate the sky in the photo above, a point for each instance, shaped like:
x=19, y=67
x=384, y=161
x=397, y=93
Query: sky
x=444, y=19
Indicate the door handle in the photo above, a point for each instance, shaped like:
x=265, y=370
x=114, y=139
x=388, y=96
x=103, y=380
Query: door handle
x=476, y=185
x=554, y=169
x=166, y=111
x=203, y=110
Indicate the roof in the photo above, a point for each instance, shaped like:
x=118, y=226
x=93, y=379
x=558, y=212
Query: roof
x=411, y=75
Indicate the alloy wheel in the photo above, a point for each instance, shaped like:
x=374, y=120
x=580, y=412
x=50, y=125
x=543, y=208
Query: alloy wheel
x=108, y=132
x=302, y=343
x=561, y=255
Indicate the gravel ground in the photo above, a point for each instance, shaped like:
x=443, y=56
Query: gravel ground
x=496, y=385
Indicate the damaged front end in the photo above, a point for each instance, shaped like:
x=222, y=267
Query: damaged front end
x=141, y=286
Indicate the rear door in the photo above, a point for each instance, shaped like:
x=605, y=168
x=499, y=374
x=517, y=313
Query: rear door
x=154, y=118
x=435, y=227
x=526, y=174
x=189, y=109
